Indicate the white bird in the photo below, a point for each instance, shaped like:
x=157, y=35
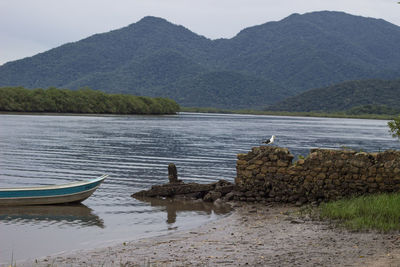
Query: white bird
x=269, y=141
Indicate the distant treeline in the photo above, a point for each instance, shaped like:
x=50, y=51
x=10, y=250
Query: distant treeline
x=371, y=96
x=340, y=114
x=19, y=99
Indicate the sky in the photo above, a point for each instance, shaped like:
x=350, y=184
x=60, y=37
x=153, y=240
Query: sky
x=28, y=27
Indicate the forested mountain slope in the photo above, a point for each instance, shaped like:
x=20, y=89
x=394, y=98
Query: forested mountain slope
x=260, y=66
x=366, y=96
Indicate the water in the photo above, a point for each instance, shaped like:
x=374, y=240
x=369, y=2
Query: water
x=135, y=151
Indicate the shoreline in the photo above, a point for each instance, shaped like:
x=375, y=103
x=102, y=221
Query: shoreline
x=310, y=114
x=80, y=114
x=252, y=235
x=384, y=117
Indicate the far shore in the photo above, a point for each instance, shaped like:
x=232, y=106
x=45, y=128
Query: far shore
x=78, y=114
x=290, y=114
x=218, y=111
x=253, y=235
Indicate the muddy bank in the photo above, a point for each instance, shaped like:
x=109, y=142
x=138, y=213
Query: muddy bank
x=253, y=235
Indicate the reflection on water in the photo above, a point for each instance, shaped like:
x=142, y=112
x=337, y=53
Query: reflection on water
x=175, y=205
x=135, y=151
x=79, y=215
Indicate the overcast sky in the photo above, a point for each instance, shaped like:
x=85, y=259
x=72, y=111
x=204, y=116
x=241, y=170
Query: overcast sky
x=28, y=27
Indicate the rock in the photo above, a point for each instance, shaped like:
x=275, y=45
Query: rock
x=296, y=221
x=170, y=190
x=266, y=174
x=229, y=196
x=281, y=163
x=224, y=187
x=249, y=194
x=299, y=203
x=179, y=189
x=212, y=196
x=300, y=162
x=219, y=202
x=241, y=162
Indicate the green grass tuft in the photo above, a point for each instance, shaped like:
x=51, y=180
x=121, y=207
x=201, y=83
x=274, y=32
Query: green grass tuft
x=379, y=212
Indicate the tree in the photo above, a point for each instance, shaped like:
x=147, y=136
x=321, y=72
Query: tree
x=84, y=100
x=394, y=126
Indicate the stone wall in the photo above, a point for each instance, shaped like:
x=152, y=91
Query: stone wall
x=267, y=173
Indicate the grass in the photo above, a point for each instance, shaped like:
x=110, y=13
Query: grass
x=372, y=212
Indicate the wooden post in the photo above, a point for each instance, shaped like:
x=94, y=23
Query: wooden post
x=172, y=173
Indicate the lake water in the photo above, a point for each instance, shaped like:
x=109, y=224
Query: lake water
x=135, y=152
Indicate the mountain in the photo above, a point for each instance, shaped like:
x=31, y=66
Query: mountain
x=260, y=66
x=366, y=96
x=168, y=74
x=317, y=49
x=101, y=53
x=226, y=89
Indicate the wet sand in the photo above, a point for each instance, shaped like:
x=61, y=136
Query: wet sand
x=253, y=235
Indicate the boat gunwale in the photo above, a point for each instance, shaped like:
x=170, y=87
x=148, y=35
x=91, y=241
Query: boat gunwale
x=61, y=186
x=55, y=196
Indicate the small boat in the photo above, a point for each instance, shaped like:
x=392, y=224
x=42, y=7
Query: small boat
x=50, y=194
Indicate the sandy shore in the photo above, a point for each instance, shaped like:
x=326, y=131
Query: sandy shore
x=253, y=235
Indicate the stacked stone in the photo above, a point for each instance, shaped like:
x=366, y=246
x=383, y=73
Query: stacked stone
x=267, y=174
x=261, y=174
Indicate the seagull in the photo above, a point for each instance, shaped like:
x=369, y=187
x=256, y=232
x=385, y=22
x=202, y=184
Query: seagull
x=269, y=141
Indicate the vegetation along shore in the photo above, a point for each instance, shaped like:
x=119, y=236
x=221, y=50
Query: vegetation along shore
x=290, y=113
x=88, y=101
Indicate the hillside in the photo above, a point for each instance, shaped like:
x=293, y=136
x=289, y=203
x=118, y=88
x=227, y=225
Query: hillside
x=226, y=89
x=317, y=49
x=260, y=66
x=366, y=96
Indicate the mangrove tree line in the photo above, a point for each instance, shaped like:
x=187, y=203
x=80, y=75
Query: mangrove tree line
x=19, y=99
